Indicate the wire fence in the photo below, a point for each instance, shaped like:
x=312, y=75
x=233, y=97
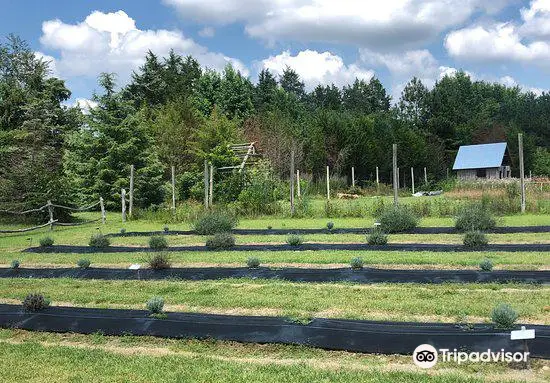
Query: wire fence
x=50, y=207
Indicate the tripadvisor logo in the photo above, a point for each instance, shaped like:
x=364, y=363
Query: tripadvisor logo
x=426, y=356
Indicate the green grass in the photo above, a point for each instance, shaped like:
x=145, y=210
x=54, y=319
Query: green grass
x=40, y=357
x=402, y=302
x=501, y=260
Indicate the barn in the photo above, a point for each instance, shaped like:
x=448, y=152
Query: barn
x=486, y=161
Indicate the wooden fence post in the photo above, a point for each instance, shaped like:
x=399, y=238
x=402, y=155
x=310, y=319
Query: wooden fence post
x=211, y=188
x=377, y=179
x=298, y=189
x=292, y=154
x=50, y=211
x=395, y=175
x=328, y=184
x=353, y=176
x=102, y=205
x=131, y=202
x=425, y=176
x=205, y=184
x=521, y=171
x=412, y=179
x=398, y=178
x=173, y=190
x=123, y=200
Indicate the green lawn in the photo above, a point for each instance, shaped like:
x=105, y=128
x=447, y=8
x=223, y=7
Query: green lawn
x=39, y=357
x=403, y=302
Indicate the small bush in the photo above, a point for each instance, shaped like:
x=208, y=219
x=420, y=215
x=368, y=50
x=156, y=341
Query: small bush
x=214, y=222
x=100, y=241
x=159, y=261
x=155, y=305
x=221, y=241
x=253, y=262
x=475, y=239
x=166, y=229
x=377, y=237
x=397, y=219
x=356, y=263
x=83, y=263
x=157, y=242
x=474, y=217
x=123, y=231
x=46, y=241
x=294, y=240
x=14, y=264
x=486, y=265
x=330, y=225
x=269, y=227
x=504, y=316
x=35, y=302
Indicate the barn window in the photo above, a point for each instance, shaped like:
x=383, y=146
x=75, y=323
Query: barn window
x=481, y=173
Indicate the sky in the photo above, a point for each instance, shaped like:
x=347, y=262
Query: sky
x=325, y=41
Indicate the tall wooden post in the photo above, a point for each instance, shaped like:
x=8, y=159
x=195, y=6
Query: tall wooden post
x=205, y=184
x=377, y=178
x=292, y=180
x=425, y=176
x=412, y=179
x=173, y=190
x=50, y=211
x=298, y=188
x=521, y=171
x=123, y=201
x=211, y=187
x=328, y=184
x=395, y=175
x=353, y=176
x=398, y=178
x=131, y=202
x=102, y=205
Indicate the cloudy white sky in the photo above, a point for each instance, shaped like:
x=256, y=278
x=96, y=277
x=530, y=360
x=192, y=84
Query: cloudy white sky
x=325, y=41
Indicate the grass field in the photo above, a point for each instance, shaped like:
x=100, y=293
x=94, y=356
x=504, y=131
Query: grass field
x=98, y=358
x=38, y=357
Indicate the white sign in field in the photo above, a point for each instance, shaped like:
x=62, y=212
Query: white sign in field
x=135, y=266
x=522, y=334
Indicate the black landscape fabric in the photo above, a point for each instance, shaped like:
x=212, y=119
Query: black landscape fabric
x=332, y=334
x=366, y=275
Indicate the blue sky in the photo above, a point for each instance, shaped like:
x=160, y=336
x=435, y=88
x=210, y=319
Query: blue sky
x=325, y=41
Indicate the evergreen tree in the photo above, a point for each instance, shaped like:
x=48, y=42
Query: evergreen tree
x=264, y=92
x=413, y=104
x=291, y=83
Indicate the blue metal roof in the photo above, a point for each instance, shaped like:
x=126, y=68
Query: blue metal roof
x=480, y=156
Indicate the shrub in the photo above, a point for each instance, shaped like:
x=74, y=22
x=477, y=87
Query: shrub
x=214, y=222
x=14, y=264
x=294, y=240
x=356, y=263
x=269, y=227
x=474, y=217
x=123, y=231
x=35, y=302
x=83, y=263
x=159, y=261
x=486, y=265
x=46, y=241
x=166, y=229
x=330, y=225
x=221, y=241
x=100, y=241
x=504, y=316
x=155, y=305
x=157, y=242
x=397, y=219
x=253, y=262
x=377, y=237
x=475, y=239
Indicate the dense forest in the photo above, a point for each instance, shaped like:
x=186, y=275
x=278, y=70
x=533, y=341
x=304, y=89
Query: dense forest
x=175, y=113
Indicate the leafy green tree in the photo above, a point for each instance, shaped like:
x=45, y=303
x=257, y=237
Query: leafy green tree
x=413, y=104
x=366, y=97
x=290, y=81
x=236, y=93
x=100, y=154
x=264, y=92
x=541, y=163
x=33, y=129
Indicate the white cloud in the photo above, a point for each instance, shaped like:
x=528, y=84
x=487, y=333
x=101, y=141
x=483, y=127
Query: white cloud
x=511, y=82
x=375, y=24
x=207, y=32
x=111, y=42
x=317, y=68
x=84, y=104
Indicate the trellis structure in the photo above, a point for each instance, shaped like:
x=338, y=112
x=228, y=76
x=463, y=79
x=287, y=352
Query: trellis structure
x=247, y=152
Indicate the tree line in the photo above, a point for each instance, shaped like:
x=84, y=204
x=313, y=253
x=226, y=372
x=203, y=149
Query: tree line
x=173, y=112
